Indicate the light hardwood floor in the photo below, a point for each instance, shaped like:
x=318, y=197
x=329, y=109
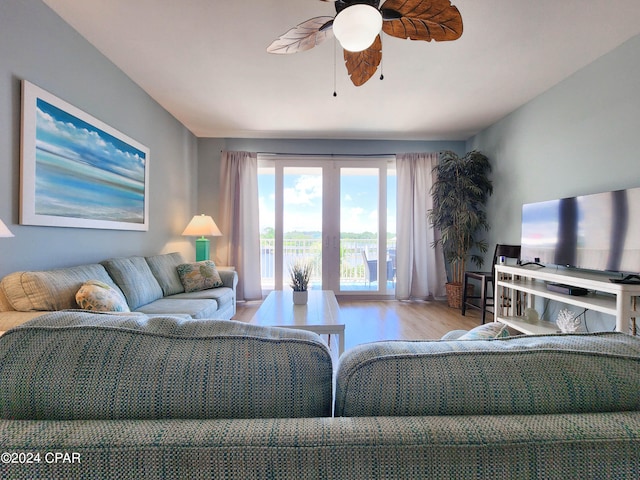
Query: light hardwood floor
x=372, y=320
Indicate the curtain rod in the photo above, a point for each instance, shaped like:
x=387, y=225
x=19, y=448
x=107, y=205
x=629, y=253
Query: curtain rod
x=278, y=154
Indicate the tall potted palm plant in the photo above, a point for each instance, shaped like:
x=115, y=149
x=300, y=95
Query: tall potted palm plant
x=460, y=192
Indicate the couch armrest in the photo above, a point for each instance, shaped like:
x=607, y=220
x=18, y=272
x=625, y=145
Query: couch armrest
x=229, y=277
x=12, y=319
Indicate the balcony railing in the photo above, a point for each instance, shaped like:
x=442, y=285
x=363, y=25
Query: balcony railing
x=352, y=264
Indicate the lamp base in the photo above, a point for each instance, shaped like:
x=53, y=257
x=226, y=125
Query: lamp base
x=202, y=249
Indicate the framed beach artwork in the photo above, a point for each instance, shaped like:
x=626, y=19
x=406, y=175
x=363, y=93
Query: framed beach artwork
x=77, y=171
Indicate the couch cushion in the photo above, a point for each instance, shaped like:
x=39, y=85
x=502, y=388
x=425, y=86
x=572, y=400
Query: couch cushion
x=163, y=268
x=80, y=365
x=195, y=308
x=199, y=276
x=134, y=277
x=222, y=295
x=98, y=296
x=50, y=289
x=514, y=375
x=224, y=298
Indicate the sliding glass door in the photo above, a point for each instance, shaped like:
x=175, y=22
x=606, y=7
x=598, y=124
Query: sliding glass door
x=367, y=237
x=333, y=213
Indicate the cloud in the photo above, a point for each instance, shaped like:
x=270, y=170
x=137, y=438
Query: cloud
x=358, y=219
x=88, y=146
x=305, y=191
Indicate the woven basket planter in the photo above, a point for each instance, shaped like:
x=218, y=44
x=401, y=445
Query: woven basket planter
x=454, y=294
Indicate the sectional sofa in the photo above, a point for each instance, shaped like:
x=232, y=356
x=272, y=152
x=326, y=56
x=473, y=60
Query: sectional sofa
x=87, y=395
x=149, y=285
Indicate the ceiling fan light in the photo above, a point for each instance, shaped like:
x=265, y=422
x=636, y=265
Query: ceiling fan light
x=356, y=27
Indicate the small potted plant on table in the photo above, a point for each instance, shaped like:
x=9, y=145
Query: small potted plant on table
x=300, y=273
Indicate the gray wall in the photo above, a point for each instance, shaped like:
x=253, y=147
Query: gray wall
x=579, y=137
x=36, y=45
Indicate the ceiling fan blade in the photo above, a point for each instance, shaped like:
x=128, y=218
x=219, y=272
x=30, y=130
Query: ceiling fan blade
x=362, y=65
x=303, y=37
x=422, y=20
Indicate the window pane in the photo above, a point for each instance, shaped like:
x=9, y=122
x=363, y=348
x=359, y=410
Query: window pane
x=302, y=220
x=392, y=195
x=266, y=195
x=359, y=194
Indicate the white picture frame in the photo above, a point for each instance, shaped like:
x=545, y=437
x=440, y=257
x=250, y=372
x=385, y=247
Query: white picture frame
x=76, y=171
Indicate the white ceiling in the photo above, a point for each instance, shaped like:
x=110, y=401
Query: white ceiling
x=205, y=61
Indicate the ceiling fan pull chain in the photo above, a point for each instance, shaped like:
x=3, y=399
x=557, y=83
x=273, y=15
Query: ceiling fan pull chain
x=382, y=60
x=335, y=53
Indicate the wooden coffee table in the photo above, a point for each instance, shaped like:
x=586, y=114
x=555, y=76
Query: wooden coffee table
x=321, y=314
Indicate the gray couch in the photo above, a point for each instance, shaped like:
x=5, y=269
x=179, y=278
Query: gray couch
x=150, y=285
x=134, y=397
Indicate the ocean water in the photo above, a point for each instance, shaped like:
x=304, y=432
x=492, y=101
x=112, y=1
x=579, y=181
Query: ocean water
x=69, y=188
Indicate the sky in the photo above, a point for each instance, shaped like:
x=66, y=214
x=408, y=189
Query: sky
x=303, y=201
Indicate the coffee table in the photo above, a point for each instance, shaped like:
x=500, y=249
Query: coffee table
x=321, y=314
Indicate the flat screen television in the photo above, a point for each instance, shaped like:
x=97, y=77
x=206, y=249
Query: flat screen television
x=592, y=232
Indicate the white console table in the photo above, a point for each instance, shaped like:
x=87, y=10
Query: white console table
x=604, y=296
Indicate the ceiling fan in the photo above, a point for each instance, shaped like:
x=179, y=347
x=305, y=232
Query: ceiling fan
x=358, y=24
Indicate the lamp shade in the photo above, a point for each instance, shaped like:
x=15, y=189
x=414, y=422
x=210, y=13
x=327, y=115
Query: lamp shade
x=4, y=231
x=356, y=27
x=202, y=225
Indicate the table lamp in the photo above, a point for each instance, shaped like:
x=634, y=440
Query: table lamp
x=4, y=231
x=202, y=225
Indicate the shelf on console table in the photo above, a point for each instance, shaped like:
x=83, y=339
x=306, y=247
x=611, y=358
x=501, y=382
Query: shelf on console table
x=604, y=296
x=527, y=327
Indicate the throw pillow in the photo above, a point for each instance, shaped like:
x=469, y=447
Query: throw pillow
x=98, y=296
x=199, y=276
x=486, y=331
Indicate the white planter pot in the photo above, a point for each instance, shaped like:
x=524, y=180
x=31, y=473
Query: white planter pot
x=300, y=298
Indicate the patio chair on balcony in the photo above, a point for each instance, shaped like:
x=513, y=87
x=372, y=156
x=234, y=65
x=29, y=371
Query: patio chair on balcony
x=391, y=266
x=371, y=269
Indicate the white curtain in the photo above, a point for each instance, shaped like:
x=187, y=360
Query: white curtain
x=238, y=211
x=420, y=270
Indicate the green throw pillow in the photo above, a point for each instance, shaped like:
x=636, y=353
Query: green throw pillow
x=100, y=297
x=199, y=276
x=486, y=331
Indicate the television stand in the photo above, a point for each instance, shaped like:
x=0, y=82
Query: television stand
x=611, y=298
x=628, y=280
